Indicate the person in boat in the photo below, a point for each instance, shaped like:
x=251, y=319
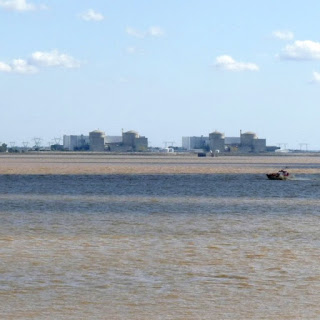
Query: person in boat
x=279, y=174
x=283, y=173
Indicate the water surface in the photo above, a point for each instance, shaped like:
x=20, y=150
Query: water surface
x=183, y=246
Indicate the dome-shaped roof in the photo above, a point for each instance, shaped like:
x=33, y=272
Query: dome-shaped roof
x=217, y=132
x=97, y=131
x=132, y=131
x=249, y=132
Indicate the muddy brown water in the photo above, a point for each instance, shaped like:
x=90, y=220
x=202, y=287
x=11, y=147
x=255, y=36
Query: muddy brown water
x=119, y=237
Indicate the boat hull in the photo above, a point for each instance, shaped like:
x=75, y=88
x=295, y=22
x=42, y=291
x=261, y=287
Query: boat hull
x=275, y=176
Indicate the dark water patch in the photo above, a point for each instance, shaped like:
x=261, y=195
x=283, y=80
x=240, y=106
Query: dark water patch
x=211, y=185
x=160, y=207
x=158, y=194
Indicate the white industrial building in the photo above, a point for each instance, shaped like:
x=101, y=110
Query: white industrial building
x=74, y=142
x=113, y=139
x=194, y=143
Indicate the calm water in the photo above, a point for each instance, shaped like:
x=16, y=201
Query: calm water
x=159, y=247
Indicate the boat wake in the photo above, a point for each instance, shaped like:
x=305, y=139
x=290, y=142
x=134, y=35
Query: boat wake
x=312, y=178
x=301, y=179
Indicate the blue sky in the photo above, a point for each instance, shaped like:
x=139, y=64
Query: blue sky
x=166, y=69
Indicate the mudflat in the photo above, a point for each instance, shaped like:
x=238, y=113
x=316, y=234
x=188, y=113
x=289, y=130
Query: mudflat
x=73, y=163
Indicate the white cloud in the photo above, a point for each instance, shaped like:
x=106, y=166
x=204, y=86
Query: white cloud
x=39, y=59
x=54, y=59
x=18, y=66
x=135, y=33
x=226, y=62
x=22, y=66
x=301, y=50
x=155, y=31
x=5, y=67
x=283, y=35
x=152, y=32
x=92, y=15
x=316, y=77
x=19, y=5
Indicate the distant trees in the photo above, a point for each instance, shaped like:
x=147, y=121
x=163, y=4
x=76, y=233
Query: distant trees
x=56, y=147
x=3, y=148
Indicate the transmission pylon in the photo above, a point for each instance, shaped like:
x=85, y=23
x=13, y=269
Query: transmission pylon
x=37, y=142
x=57, y=140
x=171, y=143
x=303, y=145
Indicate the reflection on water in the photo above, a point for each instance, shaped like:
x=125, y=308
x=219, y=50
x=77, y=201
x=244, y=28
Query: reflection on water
x=159, y=247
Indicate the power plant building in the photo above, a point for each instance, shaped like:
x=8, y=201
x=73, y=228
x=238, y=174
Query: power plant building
x=75, y=142
x=248, y=142
x=193, y=143
x=129, y=141
x=132, y=141
x=217, y=141
x=97, y=141
x=113, y=139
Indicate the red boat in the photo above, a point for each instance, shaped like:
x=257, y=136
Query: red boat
x=280, y=175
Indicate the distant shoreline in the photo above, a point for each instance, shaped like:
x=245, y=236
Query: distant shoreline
x=160, y=154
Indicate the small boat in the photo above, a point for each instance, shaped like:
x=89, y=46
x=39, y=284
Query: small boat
x=280, y=175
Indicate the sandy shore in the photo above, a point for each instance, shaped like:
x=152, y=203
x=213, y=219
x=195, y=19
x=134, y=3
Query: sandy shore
x=38, y=163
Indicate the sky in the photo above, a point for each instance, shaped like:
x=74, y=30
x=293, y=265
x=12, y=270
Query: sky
x=164, y=68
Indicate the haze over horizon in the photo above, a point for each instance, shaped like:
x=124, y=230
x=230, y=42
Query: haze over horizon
x=166, y=69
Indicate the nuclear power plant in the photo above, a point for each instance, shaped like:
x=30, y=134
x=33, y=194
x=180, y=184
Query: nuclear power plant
x=98, y=141
x=131, y=141
x=247, y=142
